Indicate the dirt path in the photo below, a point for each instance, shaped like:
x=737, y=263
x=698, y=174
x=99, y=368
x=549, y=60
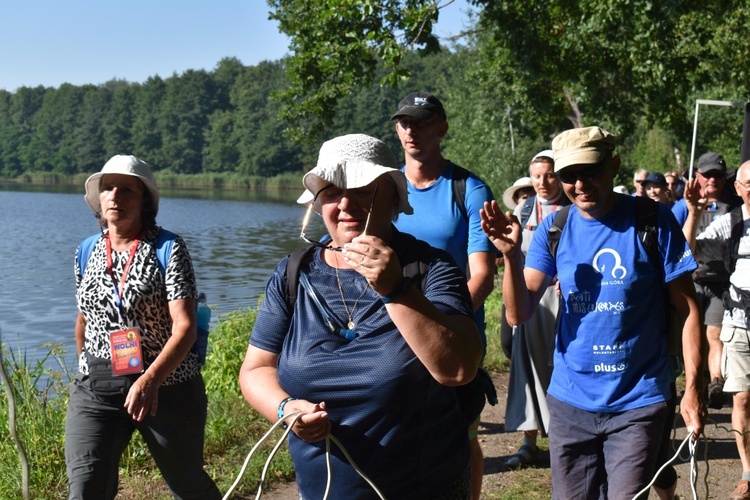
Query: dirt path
x=723, y=466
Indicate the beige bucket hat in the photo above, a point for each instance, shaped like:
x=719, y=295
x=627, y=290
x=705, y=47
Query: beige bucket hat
x=354, y=161
x=123, y=165
x=523, y=182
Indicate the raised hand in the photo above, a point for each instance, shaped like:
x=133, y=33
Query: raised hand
x=503, y=230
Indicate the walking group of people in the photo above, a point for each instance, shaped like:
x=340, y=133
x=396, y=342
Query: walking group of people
x=374, y=332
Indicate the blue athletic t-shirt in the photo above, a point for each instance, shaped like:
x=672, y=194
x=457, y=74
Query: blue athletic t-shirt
x=611, y=353
x=438, y=221
x=403, y=429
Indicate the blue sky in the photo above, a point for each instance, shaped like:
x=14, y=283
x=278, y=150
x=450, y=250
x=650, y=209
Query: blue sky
x=50, y=42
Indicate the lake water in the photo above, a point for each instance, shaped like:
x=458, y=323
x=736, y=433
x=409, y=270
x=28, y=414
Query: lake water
x=235, y=239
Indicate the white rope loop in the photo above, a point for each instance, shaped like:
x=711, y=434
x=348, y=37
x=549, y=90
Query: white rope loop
x=296, y=416
x=668, y=462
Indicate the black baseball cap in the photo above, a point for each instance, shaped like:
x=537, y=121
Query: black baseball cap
x=711, y=161
x=420, y=105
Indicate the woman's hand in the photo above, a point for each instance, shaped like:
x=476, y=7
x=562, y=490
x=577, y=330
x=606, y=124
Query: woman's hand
x=142, y=397
x=376, y=261
x=314, y=425
x=504, y=231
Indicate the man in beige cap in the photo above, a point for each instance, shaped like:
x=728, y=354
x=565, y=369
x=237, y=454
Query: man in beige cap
x=607, y=398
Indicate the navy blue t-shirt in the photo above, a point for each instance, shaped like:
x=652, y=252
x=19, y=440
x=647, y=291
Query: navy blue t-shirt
x=403, y=429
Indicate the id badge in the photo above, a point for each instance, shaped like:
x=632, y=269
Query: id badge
x=126, y=352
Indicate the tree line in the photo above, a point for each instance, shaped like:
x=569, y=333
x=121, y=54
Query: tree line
x=509, y=85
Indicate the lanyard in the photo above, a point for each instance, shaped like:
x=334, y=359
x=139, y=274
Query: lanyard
x=119, y=290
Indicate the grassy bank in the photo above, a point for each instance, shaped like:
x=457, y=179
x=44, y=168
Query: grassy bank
x=231, y=431
x=166, y=178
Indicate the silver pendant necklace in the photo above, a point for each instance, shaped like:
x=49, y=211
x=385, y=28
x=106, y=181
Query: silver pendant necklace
x=350, y=314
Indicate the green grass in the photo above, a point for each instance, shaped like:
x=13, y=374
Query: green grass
x=166, y=178
x=232, y=427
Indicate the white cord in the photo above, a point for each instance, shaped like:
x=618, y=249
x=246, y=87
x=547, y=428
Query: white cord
x=296, y=416
x=693, y=467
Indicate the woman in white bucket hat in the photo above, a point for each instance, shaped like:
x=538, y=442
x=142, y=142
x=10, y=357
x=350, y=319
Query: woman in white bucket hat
x=136, y=327
x=379, y=376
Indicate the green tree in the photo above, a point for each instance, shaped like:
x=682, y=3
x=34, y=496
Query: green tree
x=53, y=143
x=146, y=133
x=117, y=122
x=189, y=100
x=338, y=45
x=88, y=144
x=556, y=63
x=258, y=132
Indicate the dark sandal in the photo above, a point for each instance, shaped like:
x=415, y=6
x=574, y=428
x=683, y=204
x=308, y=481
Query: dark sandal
x=716, y=394
x=526, y=455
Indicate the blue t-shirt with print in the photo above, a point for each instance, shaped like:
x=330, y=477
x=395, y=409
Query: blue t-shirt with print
x=438, y=221
x=403, y=428
x=611, y=353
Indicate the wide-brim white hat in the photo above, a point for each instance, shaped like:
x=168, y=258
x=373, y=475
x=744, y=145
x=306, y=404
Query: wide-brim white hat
x=354, y=161
x=523, y=182
x=123, y=165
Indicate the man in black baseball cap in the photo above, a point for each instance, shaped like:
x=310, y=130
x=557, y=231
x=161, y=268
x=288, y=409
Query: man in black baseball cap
x=420, y=105
x=445, y=222
x=711, y=176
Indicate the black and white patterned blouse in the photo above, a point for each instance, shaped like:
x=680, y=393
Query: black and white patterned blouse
x=145, y=301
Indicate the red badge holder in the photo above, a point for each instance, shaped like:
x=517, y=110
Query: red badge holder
x=126, y=352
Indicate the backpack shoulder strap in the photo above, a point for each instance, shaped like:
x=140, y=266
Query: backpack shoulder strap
x=647, y=225
x=164, y=243
x=460, y=175
x=293, y=265
x=555, y=230
x=526, y=209
x=416, y=268
x=738, y=229
x=84, y=251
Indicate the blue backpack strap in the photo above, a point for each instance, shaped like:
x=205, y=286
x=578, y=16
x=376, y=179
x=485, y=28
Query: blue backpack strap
x=164, y=243
x=526, y=209
x=84, y=251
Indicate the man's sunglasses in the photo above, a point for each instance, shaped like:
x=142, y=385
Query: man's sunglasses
x=586, y=175
x=306, y=221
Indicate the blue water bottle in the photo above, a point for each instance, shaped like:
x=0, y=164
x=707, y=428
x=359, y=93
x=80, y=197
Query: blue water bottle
x=203, y=313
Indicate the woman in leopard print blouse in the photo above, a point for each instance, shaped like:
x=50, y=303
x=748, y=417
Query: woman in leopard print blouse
x=134, y=333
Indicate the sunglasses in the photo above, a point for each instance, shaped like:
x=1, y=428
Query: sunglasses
x=306, y=221
x=586, y=175
x=712, y=174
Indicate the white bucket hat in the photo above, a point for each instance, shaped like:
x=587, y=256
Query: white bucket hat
x=123, y=165
x=523, y=182
x=354, y=161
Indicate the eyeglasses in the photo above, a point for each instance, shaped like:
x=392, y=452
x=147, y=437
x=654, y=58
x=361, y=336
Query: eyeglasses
x=586, y=175
x=639, y=181
x=745, y=185
x=306, y=221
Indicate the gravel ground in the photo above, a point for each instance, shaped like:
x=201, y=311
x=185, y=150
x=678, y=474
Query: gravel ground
x=718, y=464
